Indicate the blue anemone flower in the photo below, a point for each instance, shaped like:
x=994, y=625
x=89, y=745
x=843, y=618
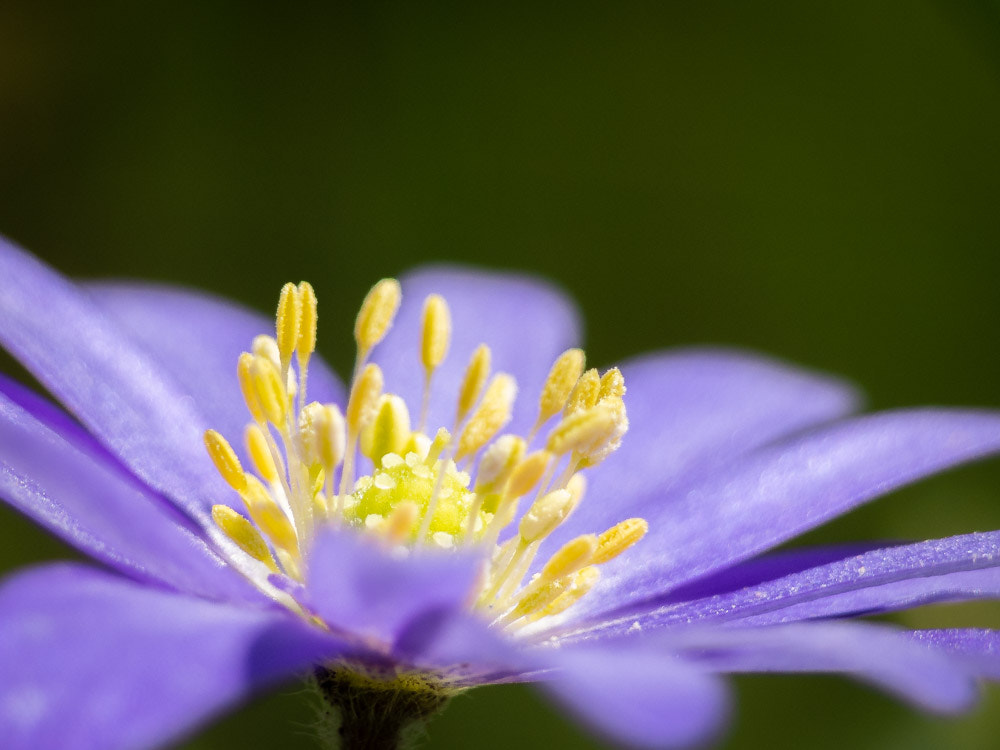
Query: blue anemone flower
x=397, y=565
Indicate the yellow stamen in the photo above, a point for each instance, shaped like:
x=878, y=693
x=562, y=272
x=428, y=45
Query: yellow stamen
x=490, y=416
x=270, y=518
x=376, y=315
x=473, y=381
x=528, y=473
x=260, y=454
x=388, y=431
x=585, y=393
x=287, y=322
x=225, y=460
x=242, y=532
x=435, y=334
x=583, y=582
x=498, y=462
x=570, y=558
x=545, y=515
x=364, y=398
x=306, y=343
x=244, y=373
x=619, y=538
x=562, y=378
x=269, y=391
x=583, y=431
x=612, y=386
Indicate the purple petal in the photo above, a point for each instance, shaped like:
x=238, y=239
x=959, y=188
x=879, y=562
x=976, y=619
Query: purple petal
x=91, y=661
x=55, y=474
x=640, y=697
x=121, y=395
x=356, y=585
x=692, y=410
x=781, y=491
x=197, y=339
x=958, y=567
x=879, y=655
x=525, y=321
x=978, y=649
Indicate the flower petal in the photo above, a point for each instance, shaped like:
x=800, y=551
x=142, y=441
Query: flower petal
x=978, y=649
x=55, y=473
x=691, y=411
x=94, y=368
x=91, y=661
x=882, y=656
x=356, y=585
x=638, y=696
x=781, y=491
x=197, y=338
x=525, y=321
x=958, y=567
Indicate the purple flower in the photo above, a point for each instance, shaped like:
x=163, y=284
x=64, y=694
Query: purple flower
x=727, y=456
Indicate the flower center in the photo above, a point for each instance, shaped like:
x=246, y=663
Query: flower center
x=453, y=487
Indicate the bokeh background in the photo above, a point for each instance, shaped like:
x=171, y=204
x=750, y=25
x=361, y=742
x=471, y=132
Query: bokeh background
x=817, y=181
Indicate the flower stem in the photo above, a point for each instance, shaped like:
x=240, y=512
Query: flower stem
x=375, y=711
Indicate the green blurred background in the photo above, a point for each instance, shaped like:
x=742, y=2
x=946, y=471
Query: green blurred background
x=816, y=181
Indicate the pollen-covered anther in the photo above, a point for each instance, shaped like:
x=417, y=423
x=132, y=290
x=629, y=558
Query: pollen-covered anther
x=619, y=538
x=287, y=322
x=308, y=319
x=612, y=386
x=498, y=462
x=270, y=394
x=559, y=384
x=476, y=374
x=586, y=431
x=583, y=582
x=388, y=430
x=363, y=401
x=225, y=460
x=322, y=435
x=243, y=534
x=435, y=333
x=584, y=394
x=490, y=416
x=260, y=454
x=528, y=473
x=376, y=315
x=244, y=374
x=571, y=557
x=269, y=517
x=545, y=515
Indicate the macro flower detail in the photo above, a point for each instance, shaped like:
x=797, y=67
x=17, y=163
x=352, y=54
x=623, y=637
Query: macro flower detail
x=424, y=531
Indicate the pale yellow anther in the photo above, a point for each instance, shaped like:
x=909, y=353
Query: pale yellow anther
x=376, y=314
x=619, y=538
x=536, y=600
x=287, y=322
x=388, y=431
x=583, y=431
x=270, y=393
x=583, y=582
x=225, y=460
x=332, y=438
x=269, y=516
x=545, y=515
x=267, y=347
x=473, y=381
x=572, y=556
x=528, y=473
x=436, y=333
x=364, y=397
x=289, y=564
x=585, y=393
x=562, y=378
x=306, y=344
x=612, y=386
x=442, y=439
x=489, y=417
x=402, y=521
x=244, y=373
x=498, y=461
x=243, y=533
x=260, y=455
x=577, y=486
